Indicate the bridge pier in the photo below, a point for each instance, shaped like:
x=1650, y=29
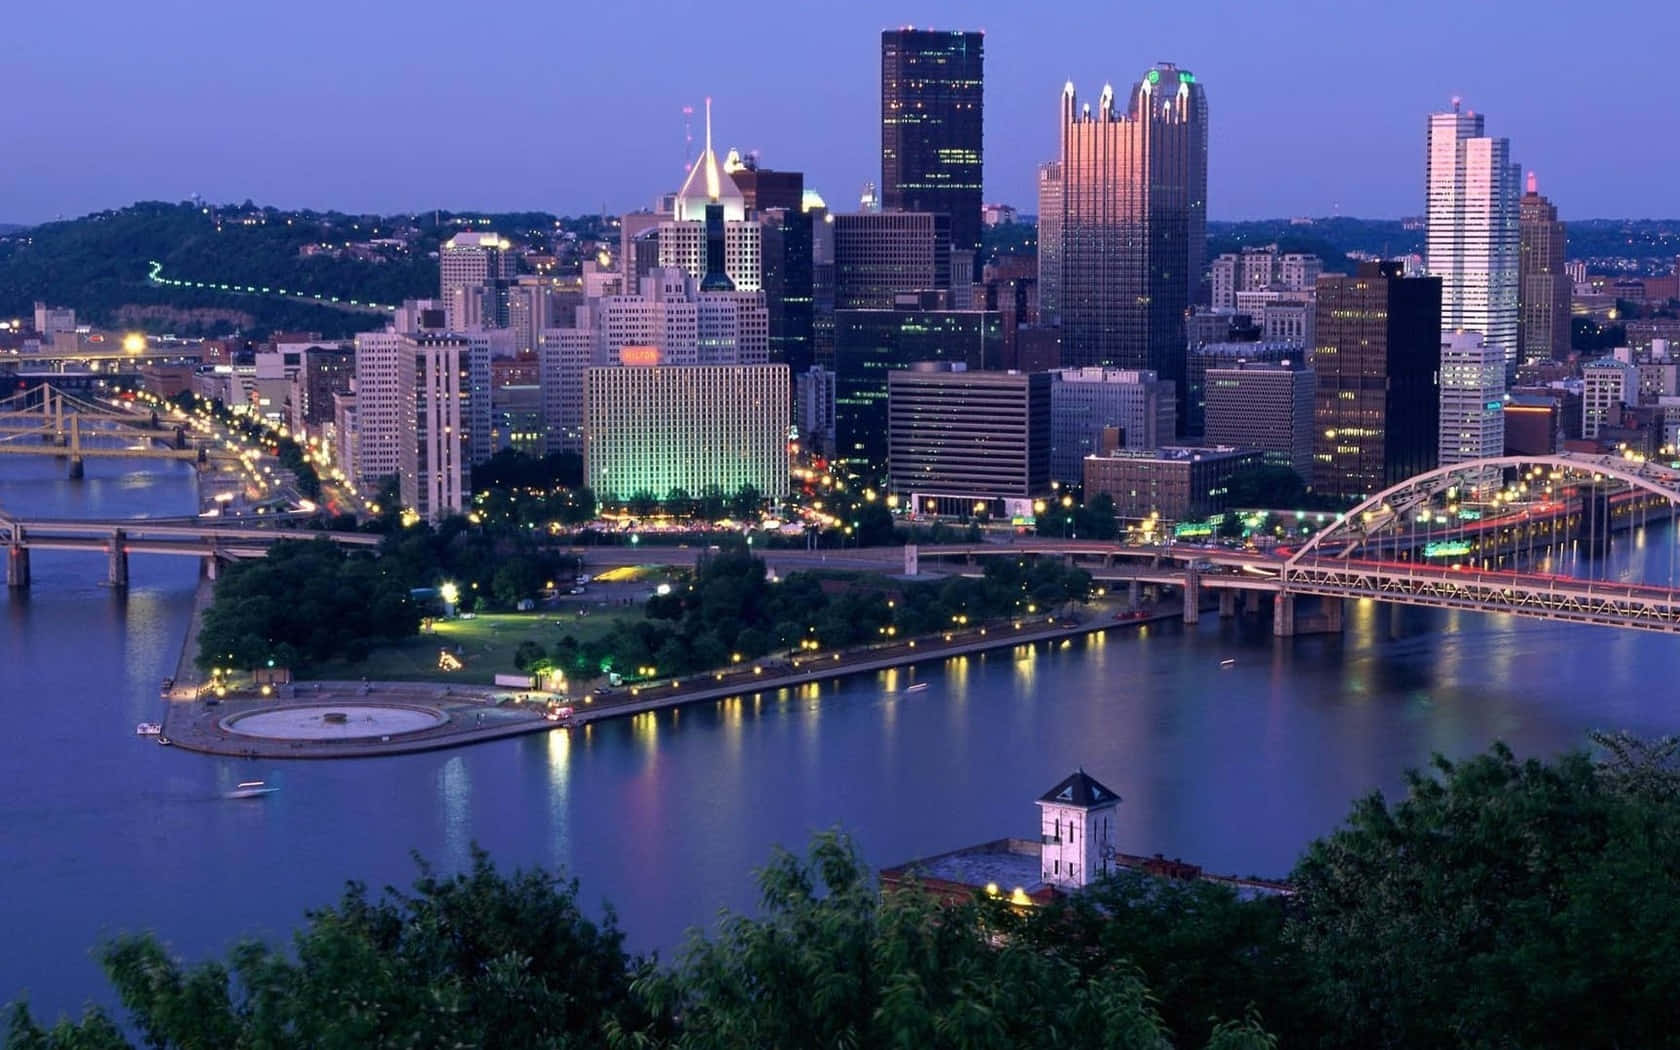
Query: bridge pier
x=1134, y=596
x=117, y=576
x=1251, y=603
x=1287, y=620
x=17, y=567
x=212, y=566
x=78, y=469
x=1227, y=604
x=180, y=438
x=1283, y=615
x=1192, y=597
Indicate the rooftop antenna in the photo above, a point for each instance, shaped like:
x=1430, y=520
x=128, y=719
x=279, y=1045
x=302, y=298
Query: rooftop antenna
x=688, y=137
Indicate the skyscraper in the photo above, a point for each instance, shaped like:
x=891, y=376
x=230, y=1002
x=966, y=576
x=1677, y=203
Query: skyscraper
x=1050, y=242
x=471, y=266
x=1376, y=415
x=1134, y=222
x=1473, y=229
x=931, y=108
x=1472, y=400
x=1543, y=289
x=877, y=255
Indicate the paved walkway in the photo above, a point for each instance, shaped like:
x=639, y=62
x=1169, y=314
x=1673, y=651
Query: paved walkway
x=470, y=716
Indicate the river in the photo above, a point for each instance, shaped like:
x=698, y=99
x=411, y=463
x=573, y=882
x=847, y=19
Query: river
x=666, y=815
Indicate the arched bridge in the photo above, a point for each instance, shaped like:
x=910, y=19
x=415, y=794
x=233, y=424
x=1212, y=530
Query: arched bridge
x=1524, y=535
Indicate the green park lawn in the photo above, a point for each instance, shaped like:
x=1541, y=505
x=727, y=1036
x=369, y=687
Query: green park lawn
x=486, y=645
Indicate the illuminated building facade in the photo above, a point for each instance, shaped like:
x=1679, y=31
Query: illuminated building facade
x=1472, y=398
x=1543, y=289
x=1133, y=223
x=961, y=441
x=932, y=108
x=651, y=428
x=1376, y=414
x=1472, y=217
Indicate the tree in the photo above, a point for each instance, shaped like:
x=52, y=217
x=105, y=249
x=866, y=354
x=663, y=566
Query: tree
x=746, y=502
x=1499, y=903
x=678, y=503
x=714, y=504
x=478, y=959
x=516, y=579
x=529, y=653
x=642, y=503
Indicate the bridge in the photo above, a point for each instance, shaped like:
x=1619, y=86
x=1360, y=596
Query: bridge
x=59, y=421
x=117, y=540
x=1489, y=536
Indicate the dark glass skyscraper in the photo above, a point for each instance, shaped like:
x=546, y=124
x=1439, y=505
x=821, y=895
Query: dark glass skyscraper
x=1376, y=417
x=931, y=111
x=1133, y=223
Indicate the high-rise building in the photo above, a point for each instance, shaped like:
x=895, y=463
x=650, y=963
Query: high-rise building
x=1261, y=269
x=471, y=267
x=877, y=255
x=870, y=344
x=1607, y=384
x=814, y=409
x=1544, y=289
x=789, y=294
x=962, y=441
x=1134, y=222
x=1472, y=399
x=1266, y=406
x=1176, y=483
x=763, y=189
x=1226, y=355
x=1473, y=240
x=380, y=423
x=651, y=428
x=932, y=109
x=1086, y=401
x=1376, y=416
x=435, y=387
x=709, y=235
x=1050, y=242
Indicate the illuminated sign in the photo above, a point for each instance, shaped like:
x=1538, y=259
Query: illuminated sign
x=1446, y=549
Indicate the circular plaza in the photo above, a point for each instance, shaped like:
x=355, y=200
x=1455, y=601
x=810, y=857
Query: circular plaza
x=325, y=721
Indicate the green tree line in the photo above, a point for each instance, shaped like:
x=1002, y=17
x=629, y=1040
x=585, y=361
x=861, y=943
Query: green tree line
x=1499, y=903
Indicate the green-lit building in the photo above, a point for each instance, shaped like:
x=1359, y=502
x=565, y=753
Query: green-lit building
x=868, y=344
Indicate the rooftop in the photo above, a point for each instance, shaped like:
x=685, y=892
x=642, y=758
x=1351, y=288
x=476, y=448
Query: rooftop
x=1012, y=868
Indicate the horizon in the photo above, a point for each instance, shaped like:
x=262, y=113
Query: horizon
x=163, y=108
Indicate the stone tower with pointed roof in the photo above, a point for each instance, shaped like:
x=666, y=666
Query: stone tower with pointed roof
x=1076, y=831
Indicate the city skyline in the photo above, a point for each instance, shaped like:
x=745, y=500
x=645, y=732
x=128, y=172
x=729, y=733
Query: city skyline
x=163, y=115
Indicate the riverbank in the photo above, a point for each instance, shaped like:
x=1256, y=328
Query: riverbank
x=474, y=714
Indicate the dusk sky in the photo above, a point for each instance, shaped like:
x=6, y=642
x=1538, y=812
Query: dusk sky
x=1317, y=107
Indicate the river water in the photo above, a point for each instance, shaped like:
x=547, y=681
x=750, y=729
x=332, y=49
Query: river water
x=666, y=815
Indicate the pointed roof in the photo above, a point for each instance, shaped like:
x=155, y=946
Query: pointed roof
x=1082, y=790
x=709, y=183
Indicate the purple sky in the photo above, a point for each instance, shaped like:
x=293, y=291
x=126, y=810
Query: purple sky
x=1318, y=106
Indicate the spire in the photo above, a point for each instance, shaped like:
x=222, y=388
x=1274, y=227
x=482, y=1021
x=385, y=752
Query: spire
x=1533, y=183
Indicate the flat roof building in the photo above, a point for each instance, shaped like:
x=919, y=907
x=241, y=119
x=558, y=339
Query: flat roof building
x=1266, y=406
x=650, y=428
x=958, y=438
x=1175, y=483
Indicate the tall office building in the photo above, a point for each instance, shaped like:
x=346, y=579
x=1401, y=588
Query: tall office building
x=708, y=234
x=471, y=268
x=870, y=344
x=1134, y=222
x=1543, y=288
x=1472, y=220
x=1472, y=399
x=1086, y=401
x=434, y=391
x=1050, y=242
x=1266, y=406
x=789, y=279
x=1376, y=416
x=962, y=441
x=1262, y=269
x=878, y=255
x=932, y=105
x=1201, y=358
x=651, y=428
x=1607, y=385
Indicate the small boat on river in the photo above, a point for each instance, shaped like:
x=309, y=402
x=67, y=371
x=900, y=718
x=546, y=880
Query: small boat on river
x=251, y=789
x=917, y=688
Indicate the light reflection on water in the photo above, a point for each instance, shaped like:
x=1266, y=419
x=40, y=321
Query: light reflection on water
x=666, y=814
